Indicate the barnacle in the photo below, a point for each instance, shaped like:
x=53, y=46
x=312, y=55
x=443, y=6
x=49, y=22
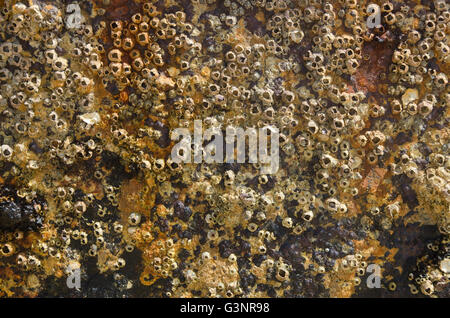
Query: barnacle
x=87, y=181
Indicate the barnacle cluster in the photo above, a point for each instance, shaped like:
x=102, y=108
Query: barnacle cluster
x=91, y=89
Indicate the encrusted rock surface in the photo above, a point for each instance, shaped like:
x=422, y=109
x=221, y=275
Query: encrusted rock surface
x=91, y=90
